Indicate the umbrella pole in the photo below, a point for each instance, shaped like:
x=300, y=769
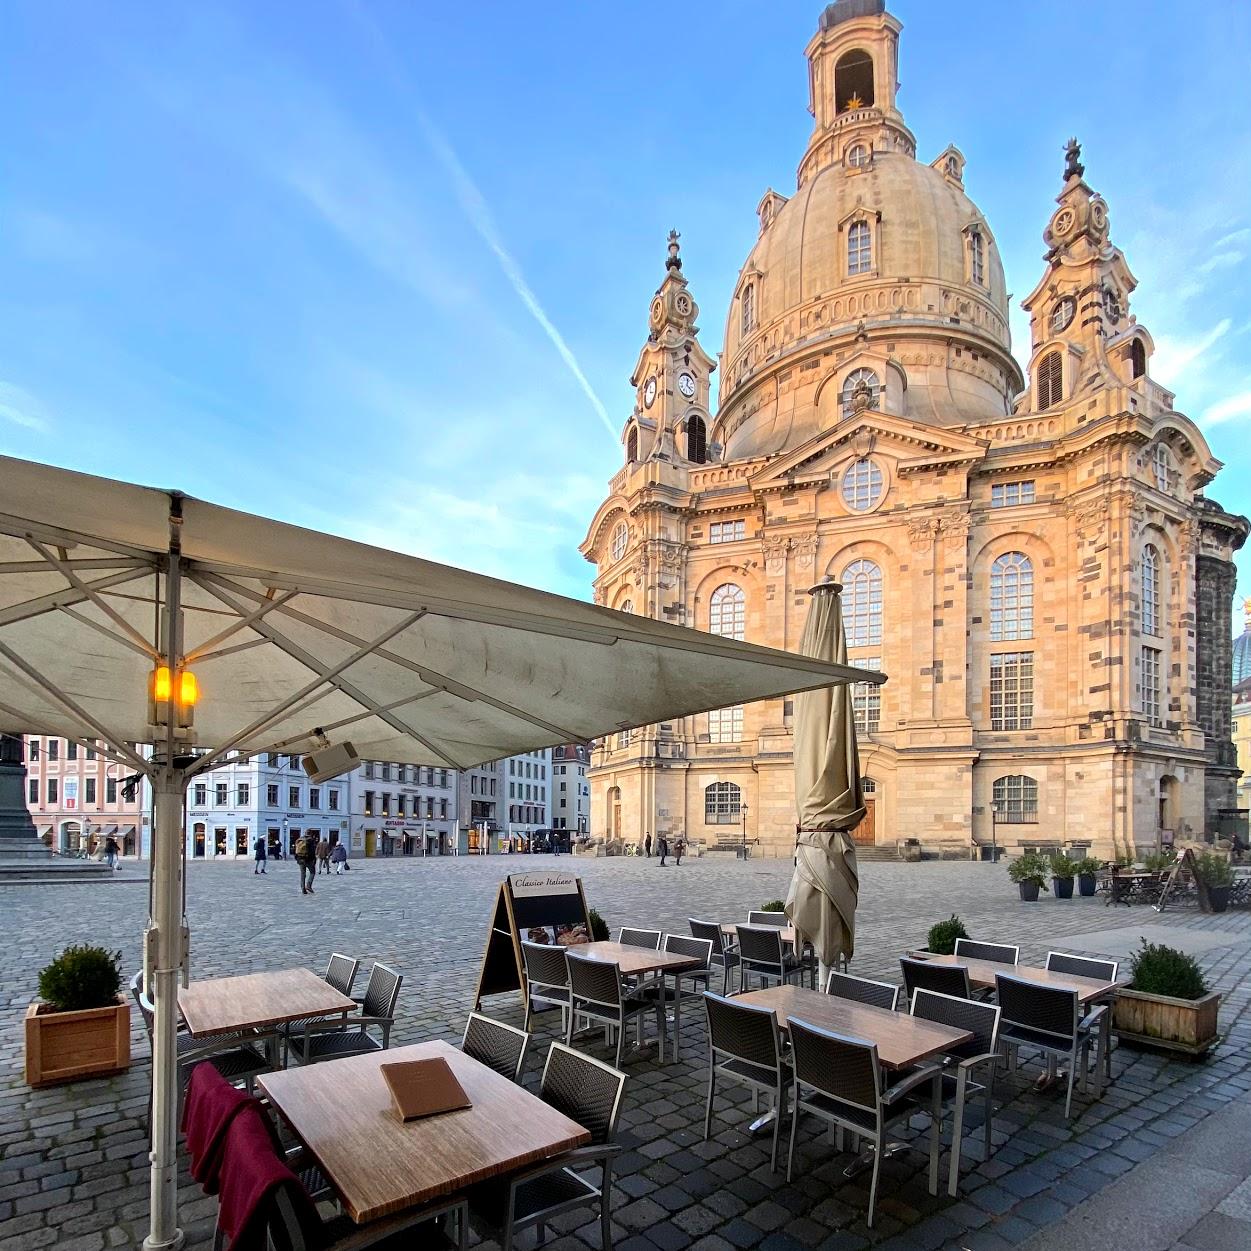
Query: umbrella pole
x=164, y=942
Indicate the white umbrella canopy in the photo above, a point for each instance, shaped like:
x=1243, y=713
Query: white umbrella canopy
x=829, y=799
x=297, y=640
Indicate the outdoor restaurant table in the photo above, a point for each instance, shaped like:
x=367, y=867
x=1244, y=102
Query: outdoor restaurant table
x=378, y=1165
x=730, y=928
x=982, y=977
x=902, y=1040
x=221, y=1005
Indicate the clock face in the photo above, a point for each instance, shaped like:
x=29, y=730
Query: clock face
x=686, y=384
x=649, y=392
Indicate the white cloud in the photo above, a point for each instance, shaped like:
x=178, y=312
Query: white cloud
x=1221, y=260
x=1173, y=354
x=21, y=408
x=1228, y=409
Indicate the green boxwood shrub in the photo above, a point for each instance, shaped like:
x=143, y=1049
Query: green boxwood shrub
x=1030, y=868
x=1160, y=970
x=81, y=977
x=599, y=928
x=1063, y=866
x=774, y=905
x=1087, y=866
x=1214, y=870
x=942, y=937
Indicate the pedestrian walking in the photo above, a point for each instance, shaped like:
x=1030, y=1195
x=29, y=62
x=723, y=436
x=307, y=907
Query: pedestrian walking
x=338, y=857
x=110, y=852
x=305, y=854
x=323, y=856
x=647, y=844
x=261, y=852
x=679, y=846
x=664, y=850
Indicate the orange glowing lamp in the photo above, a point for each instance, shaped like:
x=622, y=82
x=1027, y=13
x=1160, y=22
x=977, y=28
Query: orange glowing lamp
x=172, y=695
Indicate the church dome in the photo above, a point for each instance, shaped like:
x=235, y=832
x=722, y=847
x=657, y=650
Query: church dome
x=1242, y=649
x=875, y=250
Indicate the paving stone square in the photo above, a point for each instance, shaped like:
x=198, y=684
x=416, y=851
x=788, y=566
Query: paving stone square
x=73, y=1159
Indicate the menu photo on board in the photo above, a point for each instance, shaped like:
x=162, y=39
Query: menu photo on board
x=537, y=904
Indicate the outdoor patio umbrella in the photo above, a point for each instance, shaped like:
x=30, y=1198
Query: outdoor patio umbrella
x=132, y=615
x=829, y=801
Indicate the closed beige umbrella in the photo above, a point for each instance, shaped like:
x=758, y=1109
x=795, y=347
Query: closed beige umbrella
x=829, y=800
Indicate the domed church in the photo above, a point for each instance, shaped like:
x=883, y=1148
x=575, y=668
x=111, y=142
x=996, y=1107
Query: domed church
x=1030, y=559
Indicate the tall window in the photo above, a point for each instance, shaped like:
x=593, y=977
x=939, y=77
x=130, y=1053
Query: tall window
x=727, y=613
x=862, y=603
x=221, y=792
x=1137, y=358
x=1011, y=598
x=859, y=248
x=725, y=725
x=632, y=444
x=723, y=801
x=1012, y=691
x=1009, y=494
x=1150, y=590
x=1050, y=381
x=1151, y=705
x=866, y=698
x=1016, y=799
x=862, y=485
x=696, y=440
x=199, y=794
x=620, y=537
x=271, y=795
x=853, y=379
x=977, y=258
x=748, y=301
x=1162, y=464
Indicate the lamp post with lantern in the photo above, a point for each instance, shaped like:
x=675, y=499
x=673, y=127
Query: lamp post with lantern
x=742, y=851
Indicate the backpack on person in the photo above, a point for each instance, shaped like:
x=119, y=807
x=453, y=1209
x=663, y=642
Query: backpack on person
x=305, y=848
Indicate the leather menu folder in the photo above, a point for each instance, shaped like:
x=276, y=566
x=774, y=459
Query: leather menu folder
x=423, y=1088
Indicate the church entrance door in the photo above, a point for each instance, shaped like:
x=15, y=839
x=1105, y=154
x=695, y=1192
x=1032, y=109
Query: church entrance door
x=863, y=835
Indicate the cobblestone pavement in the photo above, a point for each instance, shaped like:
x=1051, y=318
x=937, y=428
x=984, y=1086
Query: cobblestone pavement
x=73, y=1165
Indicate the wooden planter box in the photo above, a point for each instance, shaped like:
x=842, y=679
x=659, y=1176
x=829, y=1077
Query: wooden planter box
x=66, y=1046
x=1185, y=1025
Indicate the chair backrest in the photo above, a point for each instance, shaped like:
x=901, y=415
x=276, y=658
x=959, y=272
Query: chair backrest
x=760, y=944
x=1043, y=1009
x=647, y=939
x=845, y=1069
x=862, y=990
x=980, y=1019
x=146, y=1010
x=1000, y=953
x=947, y=979
x=545, y=966
x=341, y=972
x=594, y=980
x=698, y=948
x=745, y=1032
x=381, y=991
x=711, y=931
x=499, y=1046
x=586, y=1090
x=1082, y=966
x=780, y=919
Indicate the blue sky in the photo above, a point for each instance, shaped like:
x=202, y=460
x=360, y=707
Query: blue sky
x=389, y=266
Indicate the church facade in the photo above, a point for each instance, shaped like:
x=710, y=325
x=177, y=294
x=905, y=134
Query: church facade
x=1029, y=556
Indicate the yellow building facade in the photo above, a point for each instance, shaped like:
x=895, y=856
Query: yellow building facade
x=1030, y=556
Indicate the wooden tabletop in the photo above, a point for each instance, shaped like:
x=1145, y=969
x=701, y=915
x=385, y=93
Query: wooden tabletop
x=902, y=1040
x=378, y=1164
x=635, y=960
x=982, y=976
x=222, y=1004
x=787, y=931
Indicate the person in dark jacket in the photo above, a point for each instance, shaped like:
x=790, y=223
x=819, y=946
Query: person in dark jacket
x=664, y=851
x=261, y=852
x=647, y=844
x=305, y=854
x=338, y=858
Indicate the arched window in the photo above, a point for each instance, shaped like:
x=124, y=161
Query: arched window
x=857, y=155
x=748, y=301
x=853, y=379
x=859, y=248
x=1137, y=358
x=977, y=258
x=862, y=603
x=868, y=786
x=723, y=802
x=696, y=439
x=1011, y=597
x=727, y=612
x=1015, y=799
x=862, y=485
x=1050, y=381
x=1150, y=590
x=1162, y=464
x=632, y=444
x=627, y=605
x=620, y=538
x=853, y=81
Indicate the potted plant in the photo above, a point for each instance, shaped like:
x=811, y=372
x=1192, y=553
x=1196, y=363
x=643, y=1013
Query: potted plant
x=1086, y=869
x=1217, y=876
x=1159, y=861
x=1029, y=872
x=1063, y=869
x=80, y=1026
x=1168, y=1003
x=599, y=928
x=774, y=905
x=942, y=937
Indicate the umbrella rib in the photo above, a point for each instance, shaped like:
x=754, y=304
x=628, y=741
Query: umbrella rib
x=58, y=696
x=361, y=716
x=230, y=651
x=56, y=599
x=206, y=647
x=98, y=600
x=24, y=527
x=149, y=652
x=102, y=562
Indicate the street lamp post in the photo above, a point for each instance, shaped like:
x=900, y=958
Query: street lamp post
x=743, y=849
x=994, y=831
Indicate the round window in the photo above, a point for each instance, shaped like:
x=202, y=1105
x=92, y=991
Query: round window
x=620, y=537
x=857, y=155
x=862, y=485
